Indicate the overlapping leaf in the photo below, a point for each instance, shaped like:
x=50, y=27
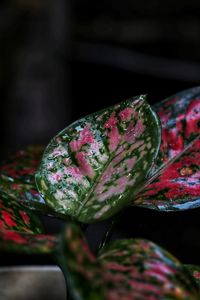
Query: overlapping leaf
x=17, y=176
x=20, y=230
x=91, y=168
x=126, y=269
x=27, y=243
x=14, y=216
x=175, y=182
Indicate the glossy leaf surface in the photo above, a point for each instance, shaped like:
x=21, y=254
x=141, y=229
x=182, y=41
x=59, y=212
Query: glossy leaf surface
x=125, y=269
x=176, y=185
x=91, y=168
x=17, y=176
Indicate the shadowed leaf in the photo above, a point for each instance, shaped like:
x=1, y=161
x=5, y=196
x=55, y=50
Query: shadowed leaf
x=27, y=243
x=125, y=269
x=20, y=230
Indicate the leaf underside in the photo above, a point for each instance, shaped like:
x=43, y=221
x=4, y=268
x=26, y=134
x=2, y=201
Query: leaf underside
x=125, y=269
x=175, y=179
x=91, y=168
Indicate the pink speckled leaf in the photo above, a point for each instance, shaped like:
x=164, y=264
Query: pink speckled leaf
x=176, y=185
x=91, y=168
x=124, y=270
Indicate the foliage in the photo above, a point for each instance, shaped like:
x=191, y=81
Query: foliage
x=93, y=169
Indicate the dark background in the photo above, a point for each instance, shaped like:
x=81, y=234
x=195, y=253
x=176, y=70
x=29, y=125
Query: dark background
x=60, y=60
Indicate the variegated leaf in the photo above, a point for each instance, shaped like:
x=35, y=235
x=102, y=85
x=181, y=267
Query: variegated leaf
x=195, y=272
x=180, y=121
x=178, y=185
x=175, y=181
x=14, y=216
x=125, y=269
x=27, y=243
x=91, y=168
x=20, y=230
x=17, y=176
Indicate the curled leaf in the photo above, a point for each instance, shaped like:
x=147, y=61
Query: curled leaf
x=91, y=168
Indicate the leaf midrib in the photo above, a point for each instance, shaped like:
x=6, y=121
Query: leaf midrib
x=98, y=178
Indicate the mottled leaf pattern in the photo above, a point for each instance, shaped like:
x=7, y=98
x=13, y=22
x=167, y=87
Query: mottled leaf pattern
x=14, y=216
x=195, y=272
x=125, y=269
x=180, y=121
x=17, y=176
x=20, y=230
x=91, y=168
x=176, y=185
x=27, y=243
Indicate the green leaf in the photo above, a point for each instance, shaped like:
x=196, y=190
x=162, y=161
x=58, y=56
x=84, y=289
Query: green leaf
x=175, y=180
x=91, y=168
x=125, y=269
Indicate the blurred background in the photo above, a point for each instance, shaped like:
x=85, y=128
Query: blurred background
x=61, y=60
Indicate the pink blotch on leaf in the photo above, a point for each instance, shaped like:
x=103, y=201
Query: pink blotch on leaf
x=114, y=138
x=126, y=114
x=134, y=131
x=84, y=165
x=86, y=137
x=8, y=219
x=111, y=122
x=74, y=172
x=14, y=237
x=25, y=217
